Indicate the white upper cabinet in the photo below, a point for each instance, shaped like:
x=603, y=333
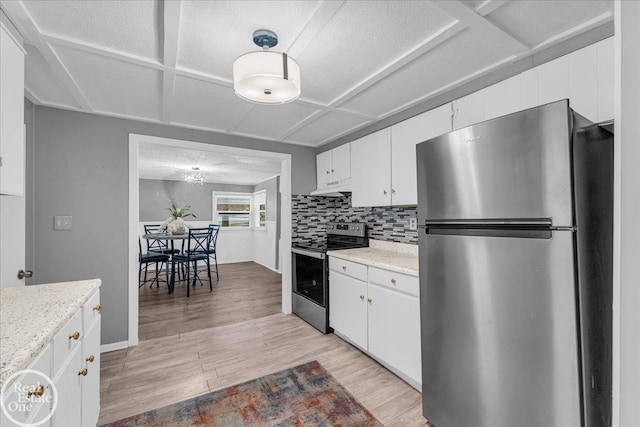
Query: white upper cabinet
x=383, y=166
x=585, y=77
x=12, y=144
x=371, y=169
x=333, y=166
x=404, y=138
x=323, y=168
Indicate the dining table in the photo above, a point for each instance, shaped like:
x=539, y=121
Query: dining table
x=169, y=238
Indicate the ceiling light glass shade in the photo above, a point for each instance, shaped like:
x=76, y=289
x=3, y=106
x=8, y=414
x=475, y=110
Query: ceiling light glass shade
x=195, y=177
x=260, y=77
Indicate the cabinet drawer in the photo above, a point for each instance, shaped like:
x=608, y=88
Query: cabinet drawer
x=348, y=268
x=91, y=310
x=398, y=281
x=65, y=341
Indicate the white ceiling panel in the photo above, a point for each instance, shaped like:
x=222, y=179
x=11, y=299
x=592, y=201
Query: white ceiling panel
x=325, y=127
x=214, y=34
x=127, y=26
x=43, y=82
x=172, y=60
x=452, y=60
x=273, y=121
x=132, y=90
x=362, y=38
x=207, y=105
x=156, y=161
x=536, y=21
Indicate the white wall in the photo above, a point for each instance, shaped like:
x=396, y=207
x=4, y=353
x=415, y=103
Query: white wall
x=264, y=243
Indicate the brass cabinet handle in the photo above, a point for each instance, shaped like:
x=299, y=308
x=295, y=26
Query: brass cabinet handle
x=344, y=268
x=75, y=335
x=384, y=192
x=83, y=372
x=39, y=391
x=327, y=172
x=362, y=297
x=369, y=300
x=393, y=281
x=332, y=171
x=90, y=359
x=97, y=308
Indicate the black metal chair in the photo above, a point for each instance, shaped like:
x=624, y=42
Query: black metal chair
x=151, y=258
x=215, y=228
x=197, y=250
x=159, y=246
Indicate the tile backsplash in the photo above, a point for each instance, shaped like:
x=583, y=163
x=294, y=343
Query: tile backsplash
x=310, y=215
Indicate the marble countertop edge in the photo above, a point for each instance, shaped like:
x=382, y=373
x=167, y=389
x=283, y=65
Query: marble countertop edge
x=397, y=261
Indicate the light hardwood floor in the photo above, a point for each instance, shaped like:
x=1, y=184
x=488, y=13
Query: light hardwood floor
x=166, y=370
x=246, y=290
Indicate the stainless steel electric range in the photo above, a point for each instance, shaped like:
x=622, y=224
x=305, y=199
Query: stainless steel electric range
x=311, y=270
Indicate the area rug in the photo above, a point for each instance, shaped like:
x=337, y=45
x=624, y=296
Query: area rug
x=305, y=395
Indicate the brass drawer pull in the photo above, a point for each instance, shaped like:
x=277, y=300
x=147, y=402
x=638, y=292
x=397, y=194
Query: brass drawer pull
x=362, y=297
x=39, y=391
x=90, y=359
x=83, y=372
x=369, y=300
x=75, y=335
x=344, y=268
x=97, y=308
x=393, y=281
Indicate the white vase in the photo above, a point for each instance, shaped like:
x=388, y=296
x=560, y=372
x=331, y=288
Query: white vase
x=177, y=226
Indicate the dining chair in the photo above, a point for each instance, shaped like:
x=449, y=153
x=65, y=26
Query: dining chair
x=156, y=245
x=215, y=228
x=151, y=258
x=197, y=250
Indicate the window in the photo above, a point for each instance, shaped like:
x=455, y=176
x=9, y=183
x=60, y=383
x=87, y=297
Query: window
x=232, y=210
x=260, y=209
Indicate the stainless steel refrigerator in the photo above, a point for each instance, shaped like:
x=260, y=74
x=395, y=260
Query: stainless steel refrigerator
x=515, y=218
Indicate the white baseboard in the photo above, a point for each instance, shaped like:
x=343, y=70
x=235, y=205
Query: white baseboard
x=105, y=348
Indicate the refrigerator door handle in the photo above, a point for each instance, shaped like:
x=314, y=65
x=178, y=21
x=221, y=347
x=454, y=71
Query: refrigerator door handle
x=524, y=223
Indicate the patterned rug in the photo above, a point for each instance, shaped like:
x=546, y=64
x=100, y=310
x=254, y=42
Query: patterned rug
x=306, y=395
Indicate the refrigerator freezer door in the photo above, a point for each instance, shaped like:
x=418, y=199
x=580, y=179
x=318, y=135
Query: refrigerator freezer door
x=516, y=166
x=499, y=333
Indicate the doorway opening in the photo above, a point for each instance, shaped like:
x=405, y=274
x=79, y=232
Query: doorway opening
x=153, y=312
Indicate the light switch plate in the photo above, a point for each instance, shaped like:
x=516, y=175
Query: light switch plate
x=413, y=224
x=62, y=222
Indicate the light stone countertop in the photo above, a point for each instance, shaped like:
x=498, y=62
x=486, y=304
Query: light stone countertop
x=398, y=257
x=30, y=316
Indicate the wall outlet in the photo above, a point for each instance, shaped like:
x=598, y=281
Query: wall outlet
x=413, y=224
x=62, y=222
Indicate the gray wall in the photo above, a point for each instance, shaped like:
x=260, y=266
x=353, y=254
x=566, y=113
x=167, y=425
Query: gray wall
x=156, y=196
x=80, y=168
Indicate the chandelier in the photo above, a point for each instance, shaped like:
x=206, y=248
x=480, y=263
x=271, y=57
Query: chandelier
x=195, y=177
x=266, y=77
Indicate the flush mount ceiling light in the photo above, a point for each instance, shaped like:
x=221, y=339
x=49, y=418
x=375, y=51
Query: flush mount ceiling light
x=194, y=177
x=266, y=77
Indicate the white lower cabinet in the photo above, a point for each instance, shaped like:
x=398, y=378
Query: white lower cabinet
x=72, y=361
x=348, y=307
x=379, y=312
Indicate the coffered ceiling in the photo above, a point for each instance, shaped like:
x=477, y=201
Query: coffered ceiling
x=361, y=61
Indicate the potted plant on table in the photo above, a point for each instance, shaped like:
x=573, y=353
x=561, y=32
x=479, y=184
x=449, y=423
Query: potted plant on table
x=175, y=223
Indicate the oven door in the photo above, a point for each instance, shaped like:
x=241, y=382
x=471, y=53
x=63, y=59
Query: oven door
x=310, y=275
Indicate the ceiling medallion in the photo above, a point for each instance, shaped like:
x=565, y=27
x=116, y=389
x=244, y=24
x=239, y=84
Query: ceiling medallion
x=195, y=177
x=266, y=77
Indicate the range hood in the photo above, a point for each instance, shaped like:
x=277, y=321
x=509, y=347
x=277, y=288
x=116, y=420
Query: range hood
x=337, y=189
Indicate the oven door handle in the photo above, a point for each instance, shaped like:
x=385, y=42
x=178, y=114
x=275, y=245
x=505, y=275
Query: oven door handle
x=317, y=255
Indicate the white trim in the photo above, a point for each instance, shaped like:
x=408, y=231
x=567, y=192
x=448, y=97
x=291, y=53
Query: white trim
x=106, y=348
x=285, y=217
